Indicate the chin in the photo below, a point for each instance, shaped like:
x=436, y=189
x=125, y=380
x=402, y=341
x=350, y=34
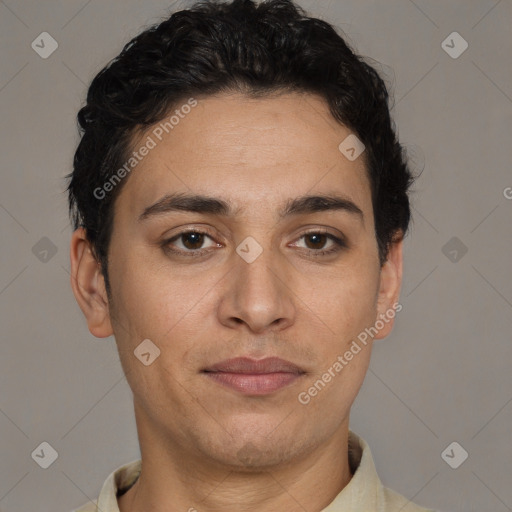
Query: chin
x=253, y=457
x=257, y=452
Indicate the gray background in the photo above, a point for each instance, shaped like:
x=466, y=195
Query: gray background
x=443, y=375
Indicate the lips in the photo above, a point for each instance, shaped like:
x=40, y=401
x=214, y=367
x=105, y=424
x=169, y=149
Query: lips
x=253, y=366
x=254, y=377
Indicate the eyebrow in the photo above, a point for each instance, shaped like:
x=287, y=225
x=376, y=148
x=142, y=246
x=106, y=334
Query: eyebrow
x=215, y=206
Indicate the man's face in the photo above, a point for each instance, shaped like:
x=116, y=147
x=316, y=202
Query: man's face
x=202, y=302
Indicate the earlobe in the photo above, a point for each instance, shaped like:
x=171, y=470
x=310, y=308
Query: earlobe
x=389, y=290
x=88, y=285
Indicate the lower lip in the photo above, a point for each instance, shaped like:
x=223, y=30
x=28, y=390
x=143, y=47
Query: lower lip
x=254, y=384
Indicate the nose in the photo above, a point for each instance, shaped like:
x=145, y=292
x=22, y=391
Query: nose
x=259, y=295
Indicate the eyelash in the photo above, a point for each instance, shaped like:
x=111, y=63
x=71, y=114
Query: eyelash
x=339, y=243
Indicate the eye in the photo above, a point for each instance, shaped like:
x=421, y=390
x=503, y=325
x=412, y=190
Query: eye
x=315, y=242
x=189, y=242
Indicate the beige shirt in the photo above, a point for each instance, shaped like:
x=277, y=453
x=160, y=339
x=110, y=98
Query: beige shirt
x=364, y=492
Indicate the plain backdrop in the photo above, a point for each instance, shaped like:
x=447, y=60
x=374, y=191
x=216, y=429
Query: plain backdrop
x=443, y=376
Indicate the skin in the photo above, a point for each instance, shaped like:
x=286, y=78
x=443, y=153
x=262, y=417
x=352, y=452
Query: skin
x=203, y=445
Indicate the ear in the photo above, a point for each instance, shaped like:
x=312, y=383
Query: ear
x=389, y=289
x=88, y=285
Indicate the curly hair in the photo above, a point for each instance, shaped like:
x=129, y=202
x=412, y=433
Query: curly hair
x=239, y=45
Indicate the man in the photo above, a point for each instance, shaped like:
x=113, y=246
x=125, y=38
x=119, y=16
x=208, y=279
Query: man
x=240, y=200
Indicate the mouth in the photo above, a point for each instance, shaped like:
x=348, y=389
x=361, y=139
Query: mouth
x=254, y=377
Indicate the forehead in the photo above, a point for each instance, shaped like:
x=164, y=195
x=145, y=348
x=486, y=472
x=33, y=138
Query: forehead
x=248, y=150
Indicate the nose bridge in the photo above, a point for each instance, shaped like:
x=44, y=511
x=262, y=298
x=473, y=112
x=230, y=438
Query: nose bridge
x=260, y=276
x=256, y=277
x=258, y=295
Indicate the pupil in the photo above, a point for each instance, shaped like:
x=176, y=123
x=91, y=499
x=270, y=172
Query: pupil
x=196, y=244
x=319, y=239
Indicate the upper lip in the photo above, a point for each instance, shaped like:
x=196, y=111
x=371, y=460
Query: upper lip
x=252, y=366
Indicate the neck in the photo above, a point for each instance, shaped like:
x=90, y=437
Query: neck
x=175, y=479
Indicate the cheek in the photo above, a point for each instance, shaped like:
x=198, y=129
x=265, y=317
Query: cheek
x=347, y=301
x=344, y=351
x=162, y=304
x=153, y=305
